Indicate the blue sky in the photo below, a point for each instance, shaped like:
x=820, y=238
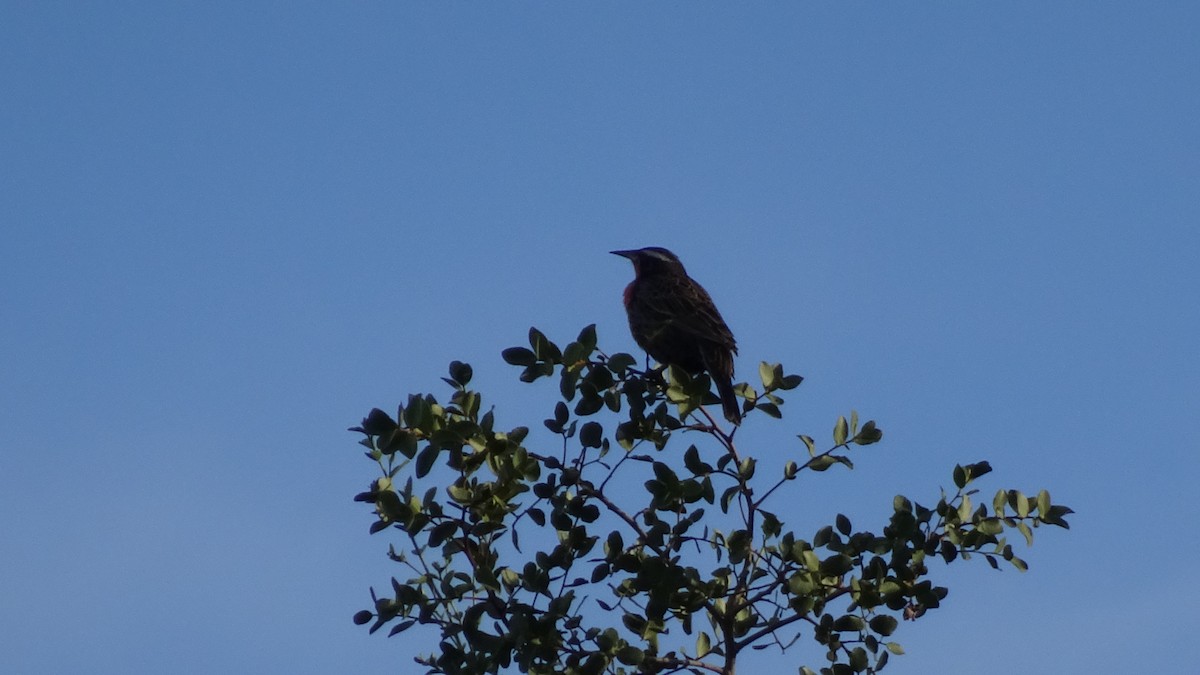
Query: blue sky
x=228, y=230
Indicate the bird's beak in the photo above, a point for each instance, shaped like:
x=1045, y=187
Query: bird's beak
x=624, y=254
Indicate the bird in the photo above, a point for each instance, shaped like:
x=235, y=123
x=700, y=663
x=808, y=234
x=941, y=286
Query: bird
x=674, y=320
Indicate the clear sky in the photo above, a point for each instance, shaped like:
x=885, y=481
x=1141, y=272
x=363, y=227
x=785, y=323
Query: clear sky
x=229, y=229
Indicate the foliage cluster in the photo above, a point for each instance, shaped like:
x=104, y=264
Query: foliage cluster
x=553, y=561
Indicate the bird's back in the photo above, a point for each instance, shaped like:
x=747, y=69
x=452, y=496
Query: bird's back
x=673, y=318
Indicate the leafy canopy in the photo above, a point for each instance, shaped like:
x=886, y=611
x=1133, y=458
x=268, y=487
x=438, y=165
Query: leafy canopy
x=552, y=560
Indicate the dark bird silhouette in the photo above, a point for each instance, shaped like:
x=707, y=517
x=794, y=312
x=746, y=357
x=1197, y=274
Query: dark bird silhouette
x=675, y=321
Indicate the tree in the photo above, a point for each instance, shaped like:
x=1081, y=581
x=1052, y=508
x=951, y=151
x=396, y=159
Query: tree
x=550, y=562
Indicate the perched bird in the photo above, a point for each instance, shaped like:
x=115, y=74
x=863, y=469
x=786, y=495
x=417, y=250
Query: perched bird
x=675, y=321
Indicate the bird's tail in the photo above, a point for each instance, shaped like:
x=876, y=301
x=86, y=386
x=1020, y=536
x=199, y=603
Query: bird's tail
x=729, y=402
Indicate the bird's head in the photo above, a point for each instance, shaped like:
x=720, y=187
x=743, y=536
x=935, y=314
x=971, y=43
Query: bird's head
x=651, y=260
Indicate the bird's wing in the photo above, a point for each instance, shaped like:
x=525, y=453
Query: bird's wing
x=688, y=307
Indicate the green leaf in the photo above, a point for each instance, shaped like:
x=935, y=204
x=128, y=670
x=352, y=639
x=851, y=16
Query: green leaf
x=587, y=337
x=821, y=463
x=770, y=524
x=884, y=624
x=790, y=382
x=426, y=460
x=809, y=443
x=823, y=536
x=591, y=434
x=441, y=532
x=843, y=525
x=518, y=356
x=537, y=516
x=849, y=622
x=836, y=565
x=770, y=409
x=979, y=469
x=964, y=509
x=868, y=434
x=1055, y=516
x=509, y=577
x=703, y=643
x=858, y=659
x=614, y=546
x=801, y=584
x=590, y=403
x=377, y=423
x=460, y=494
x=573, y=354
x=518, y=434
x=621, y=362
x=840, y=431
x=630, y=655
x=600, y=572
x=558, y=423
x=460, y=372
x=766, y=372
x=964, y=475
x=543, y=348
x=693, y=463
x=390, y=505
x=894, y=647
x=1043, y=503
x=990, y=526
x=746, y=468
x=634, y=622
x=664, y=474
x=810, y=560
x=1023, y=527
x=727, y=497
